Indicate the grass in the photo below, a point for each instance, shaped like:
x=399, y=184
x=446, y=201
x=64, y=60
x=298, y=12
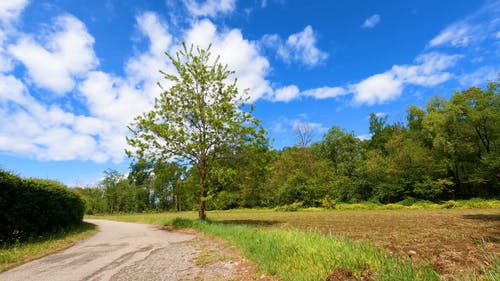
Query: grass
x=19, y=253
x=459, y=243
x=296, y=255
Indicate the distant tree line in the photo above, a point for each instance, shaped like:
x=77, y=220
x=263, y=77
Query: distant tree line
x=448, y=149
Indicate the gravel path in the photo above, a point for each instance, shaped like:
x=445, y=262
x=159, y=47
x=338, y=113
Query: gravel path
x=126, y=251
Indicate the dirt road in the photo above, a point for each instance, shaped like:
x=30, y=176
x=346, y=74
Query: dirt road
x=123, y=251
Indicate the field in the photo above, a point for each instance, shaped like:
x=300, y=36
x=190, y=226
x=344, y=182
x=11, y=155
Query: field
x=457, y=243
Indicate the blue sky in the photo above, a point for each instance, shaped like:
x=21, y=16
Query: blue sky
x=73, y=74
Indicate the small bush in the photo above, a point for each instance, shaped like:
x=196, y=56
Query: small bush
x=392, y=206
x=450, y=204
x=289, y=207
x=30, y=207
x=328, y=203
x=478, y=203
x=408, y=201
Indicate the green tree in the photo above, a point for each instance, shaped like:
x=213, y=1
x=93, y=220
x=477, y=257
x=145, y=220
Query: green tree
x=344, y=153
x=465, y=136
x=168, y=185
x=381, y=132
x=200, y=114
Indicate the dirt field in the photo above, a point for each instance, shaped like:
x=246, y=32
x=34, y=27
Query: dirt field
x=457, y=242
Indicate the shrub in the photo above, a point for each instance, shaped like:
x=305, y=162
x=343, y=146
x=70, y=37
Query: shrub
x=328, y=203
x=408, y=201
x=290, y=207
x=30, y=207
x=479, y=203
x=392, y=206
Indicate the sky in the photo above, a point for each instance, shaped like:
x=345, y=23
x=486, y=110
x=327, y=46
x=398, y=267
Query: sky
x=74, y=74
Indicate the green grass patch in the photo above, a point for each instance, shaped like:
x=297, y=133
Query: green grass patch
x=296, y=255
x=19, y=253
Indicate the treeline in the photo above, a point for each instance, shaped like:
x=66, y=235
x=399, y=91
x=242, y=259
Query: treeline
x=32, y=207
x=448, y=149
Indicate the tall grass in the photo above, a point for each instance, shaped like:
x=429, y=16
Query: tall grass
x=299, y=256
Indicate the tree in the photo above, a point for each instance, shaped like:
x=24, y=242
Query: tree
x=304, y=134
x=199, y=115
x=167, y=185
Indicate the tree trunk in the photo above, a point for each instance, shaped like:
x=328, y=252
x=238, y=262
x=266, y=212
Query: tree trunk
x=203, y=192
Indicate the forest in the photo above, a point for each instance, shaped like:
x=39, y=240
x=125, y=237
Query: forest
x=446, y=150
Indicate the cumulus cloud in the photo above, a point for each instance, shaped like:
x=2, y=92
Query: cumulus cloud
x=286, y=94
x=210, y=8
x=11, y=9
x=428, y=70
x=240, y=54
x=377, y=88
x=60, y=57
x=46, y=132
x=49, y=132
x=371, y=22
x=301, y=47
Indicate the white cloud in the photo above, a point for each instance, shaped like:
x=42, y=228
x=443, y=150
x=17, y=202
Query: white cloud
x=325, y=92
x=11, y=89
x=477, y=27
x=61, y=57
x=48, y=132
x=479, y=76
x=210, y=8
x=428, y=71
x=36, y=130
x=299, y=47
x=240, y=54
x=286, y=94
x=371, y=22
x=455, y=35
x=156, y=31
x=11, y=9
x=364, y=137
x=377, y=89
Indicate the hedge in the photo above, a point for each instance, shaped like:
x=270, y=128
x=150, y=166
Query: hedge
x=31, y=207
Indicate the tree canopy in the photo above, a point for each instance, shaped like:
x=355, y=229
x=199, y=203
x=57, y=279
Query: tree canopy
x=448, y=149
x=201, y=115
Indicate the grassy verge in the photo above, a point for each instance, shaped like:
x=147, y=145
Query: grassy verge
x=459, y=243
x=19, y=253
x=296, y=255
